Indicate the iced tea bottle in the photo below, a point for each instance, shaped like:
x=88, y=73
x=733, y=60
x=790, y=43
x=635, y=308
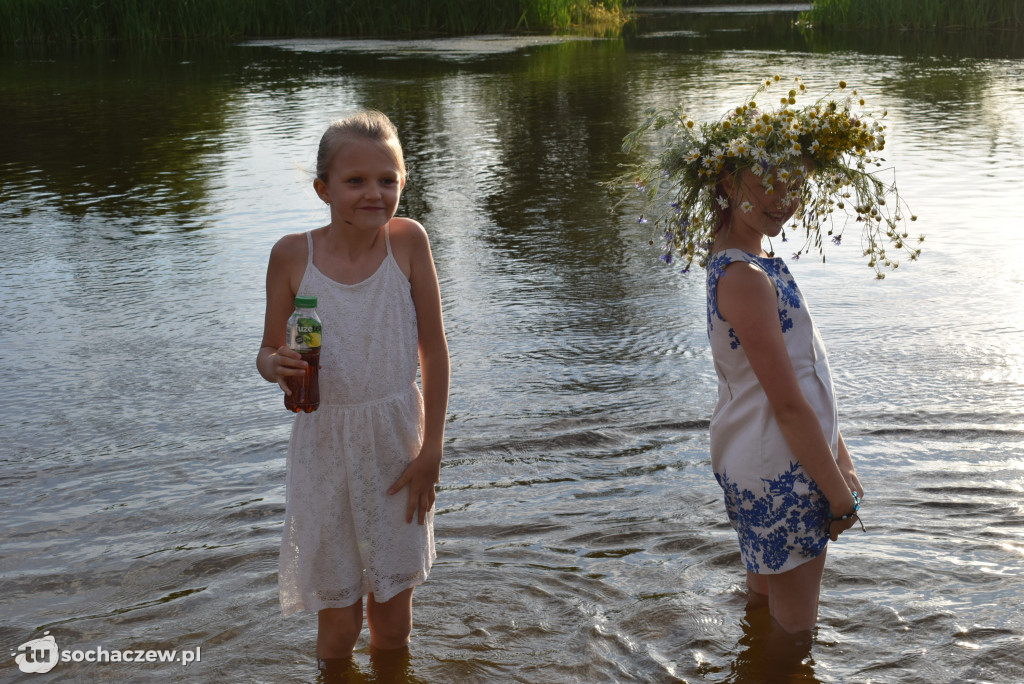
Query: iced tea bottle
x=304, y=332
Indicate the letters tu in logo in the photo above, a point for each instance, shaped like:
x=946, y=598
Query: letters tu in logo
x=38, y=655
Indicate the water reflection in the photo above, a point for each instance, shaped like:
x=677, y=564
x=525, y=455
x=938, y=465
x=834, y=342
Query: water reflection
x=550, y=154
x=385, y=667
x=945, y=44
x=129, y=135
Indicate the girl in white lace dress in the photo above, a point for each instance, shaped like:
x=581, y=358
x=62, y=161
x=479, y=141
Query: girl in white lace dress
x=361, y=468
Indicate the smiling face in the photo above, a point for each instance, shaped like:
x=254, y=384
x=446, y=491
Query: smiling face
x=757, y=210
x=764, y=209
x=363, y=184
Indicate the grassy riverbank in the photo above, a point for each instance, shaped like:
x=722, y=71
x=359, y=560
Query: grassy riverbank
x=917, y=14
x=143, y=21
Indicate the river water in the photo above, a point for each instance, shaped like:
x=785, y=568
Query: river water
x=581, y=535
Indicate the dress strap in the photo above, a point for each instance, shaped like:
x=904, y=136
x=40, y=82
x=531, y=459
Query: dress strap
x=387, y=236
x=309, y=243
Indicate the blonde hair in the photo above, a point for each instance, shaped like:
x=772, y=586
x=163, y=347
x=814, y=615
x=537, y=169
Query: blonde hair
x=367, y=125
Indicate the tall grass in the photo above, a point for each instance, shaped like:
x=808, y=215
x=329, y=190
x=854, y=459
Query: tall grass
x=142, y=21
x=917, y=14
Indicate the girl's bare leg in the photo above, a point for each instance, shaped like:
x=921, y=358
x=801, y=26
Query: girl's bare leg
x=757, y=590
x=793, y=596
x=338, y=630
x=391, y=621
x=777, y=632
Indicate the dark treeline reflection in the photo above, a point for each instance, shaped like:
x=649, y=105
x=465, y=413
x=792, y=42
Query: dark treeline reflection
x=137, y=133
x=971, y=44
x=120, y=133
x=559, y=123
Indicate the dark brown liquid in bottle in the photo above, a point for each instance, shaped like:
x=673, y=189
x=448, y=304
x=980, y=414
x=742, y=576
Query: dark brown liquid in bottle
x=305, y=389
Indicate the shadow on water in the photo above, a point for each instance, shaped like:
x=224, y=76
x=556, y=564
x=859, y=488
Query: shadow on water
x=766, y=654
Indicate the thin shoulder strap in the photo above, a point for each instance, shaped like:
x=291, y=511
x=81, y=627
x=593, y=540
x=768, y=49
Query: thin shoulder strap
x=309, y=243
x=387, y=236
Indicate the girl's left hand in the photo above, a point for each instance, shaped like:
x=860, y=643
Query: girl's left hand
x=853, y=482
x=845, y=462
x=421, y=475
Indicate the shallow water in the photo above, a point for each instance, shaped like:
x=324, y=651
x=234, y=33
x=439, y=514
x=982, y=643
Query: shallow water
x=581, y=535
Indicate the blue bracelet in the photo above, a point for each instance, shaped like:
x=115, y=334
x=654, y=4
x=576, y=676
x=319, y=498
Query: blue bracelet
x=856, y=509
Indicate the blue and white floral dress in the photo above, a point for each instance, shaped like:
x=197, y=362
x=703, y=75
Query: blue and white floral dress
x=780, y=515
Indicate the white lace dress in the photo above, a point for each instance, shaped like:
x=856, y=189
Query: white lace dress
x=344, y=536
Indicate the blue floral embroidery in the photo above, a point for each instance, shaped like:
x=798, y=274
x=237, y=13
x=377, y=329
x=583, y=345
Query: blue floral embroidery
x=735, y=344
x=776, y=269
x=789, y=293
x=784, y=320
x=716, y=266
x=779, y=523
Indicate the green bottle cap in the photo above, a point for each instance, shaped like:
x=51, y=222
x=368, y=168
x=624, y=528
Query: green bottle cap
x=305, y=302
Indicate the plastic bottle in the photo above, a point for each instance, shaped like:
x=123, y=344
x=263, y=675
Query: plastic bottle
x=304, y=334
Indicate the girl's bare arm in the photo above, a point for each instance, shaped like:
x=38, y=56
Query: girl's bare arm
x=275, y=360
x=425, y=470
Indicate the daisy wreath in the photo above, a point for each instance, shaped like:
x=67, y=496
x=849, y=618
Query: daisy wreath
x=826, y=154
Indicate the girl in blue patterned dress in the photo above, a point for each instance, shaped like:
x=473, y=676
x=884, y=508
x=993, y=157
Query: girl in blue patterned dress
x=776, y=450
x=715, y=191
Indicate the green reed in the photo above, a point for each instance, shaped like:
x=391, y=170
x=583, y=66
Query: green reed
x=142, y=21
x=917, y=14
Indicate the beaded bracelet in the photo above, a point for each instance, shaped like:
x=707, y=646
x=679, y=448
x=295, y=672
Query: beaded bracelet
x=856, y=508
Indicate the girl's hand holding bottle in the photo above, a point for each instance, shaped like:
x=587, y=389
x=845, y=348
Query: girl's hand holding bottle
x=286, y=363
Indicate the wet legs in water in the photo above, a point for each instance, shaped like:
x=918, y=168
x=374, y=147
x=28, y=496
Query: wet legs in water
x=778, y=630
x=390, y=625
x=387, y=666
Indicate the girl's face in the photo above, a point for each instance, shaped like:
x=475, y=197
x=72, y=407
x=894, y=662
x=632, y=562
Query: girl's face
x=756, y=209
x=363, y=186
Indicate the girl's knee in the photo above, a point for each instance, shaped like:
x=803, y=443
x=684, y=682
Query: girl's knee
x=389, y=635
x=391, y=621
x=793, y=598
x=338, y=630
x=390, y=628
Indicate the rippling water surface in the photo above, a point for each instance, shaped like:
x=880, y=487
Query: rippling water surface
x=581, y=536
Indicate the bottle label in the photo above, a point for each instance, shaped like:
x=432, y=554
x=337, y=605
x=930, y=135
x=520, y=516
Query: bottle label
x=306, y=334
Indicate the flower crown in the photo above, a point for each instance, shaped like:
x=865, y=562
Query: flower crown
x=822, y=153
